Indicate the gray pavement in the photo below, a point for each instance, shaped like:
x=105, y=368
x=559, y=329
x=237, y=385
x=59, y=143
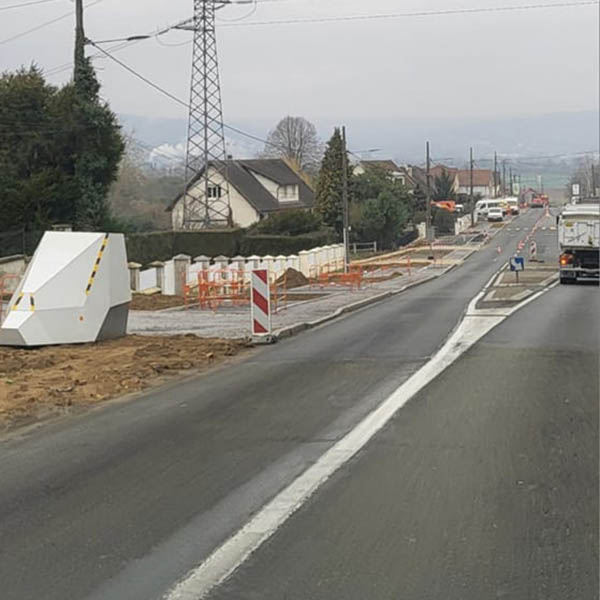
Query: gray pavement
x=121, y=502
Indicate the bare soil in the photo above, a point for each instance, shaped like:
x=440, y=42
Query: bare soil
x=155, y=302
x=38, y=383
x=293, y=279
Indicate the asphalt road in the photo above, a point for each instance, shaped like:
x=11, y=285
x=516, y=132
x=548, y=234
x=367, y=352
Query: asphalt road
x=122, y=502
x=484, y=486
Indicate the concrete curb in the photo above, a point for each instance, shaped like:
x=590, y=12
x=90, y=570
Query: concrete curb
x=292, y=330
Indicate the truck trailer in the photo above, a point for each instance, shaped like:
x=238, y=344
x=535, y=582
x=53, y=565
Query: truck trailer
x=579, y=241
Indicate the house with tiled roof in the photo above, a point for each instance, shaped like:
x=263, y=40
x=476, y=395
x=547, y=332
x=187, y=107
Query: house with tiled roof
x=257, y=188
x=402, y=174
x=483, y=182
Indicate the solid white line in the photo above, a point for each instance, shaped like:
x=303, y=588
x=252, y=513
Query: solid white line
x=233, y=552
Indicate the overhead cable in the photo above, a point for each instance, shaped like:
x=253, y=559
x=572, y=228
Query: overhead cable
x=45, y=24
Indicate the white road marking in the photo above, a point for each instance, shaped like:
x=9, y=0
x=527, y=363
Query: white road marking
x=237, y=549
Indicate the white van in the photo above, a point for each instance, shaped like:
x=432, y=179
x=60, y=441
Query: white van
x=483, y=206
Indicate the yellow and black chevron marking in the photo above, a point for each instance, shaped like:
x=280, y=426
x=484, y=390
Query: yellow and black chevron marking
x=96, y=265
x=16, y=304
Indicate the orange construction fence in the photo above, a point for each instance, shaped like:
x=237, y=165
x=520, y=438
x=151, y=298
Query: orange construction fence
x=217, y=288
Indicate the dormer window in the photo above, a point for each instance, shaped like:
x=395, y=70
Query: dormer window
x=288, y=193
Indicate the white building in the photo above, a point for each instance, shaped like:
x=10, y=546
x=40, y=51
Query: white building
x=257, y=188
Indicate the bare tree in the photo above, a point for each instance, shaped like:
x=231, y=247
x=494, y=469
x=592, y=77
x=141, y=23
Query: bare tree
x=587, y=175
x=295, y=139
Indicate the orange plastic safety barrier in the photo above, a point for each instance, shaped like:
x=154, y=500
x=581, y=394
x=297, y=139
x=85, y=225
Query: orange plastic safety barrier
x=217, y=288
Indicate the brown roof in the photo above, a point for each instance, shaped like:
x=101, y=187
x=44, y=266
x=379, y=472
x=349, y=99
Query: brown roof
x=438, y=169
x=481, y=177
x=385, y=165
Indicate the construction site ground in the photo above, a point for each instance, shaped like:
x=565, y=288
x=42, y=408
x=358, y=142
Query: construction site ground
x=305, y=304
x=167, y=338
x=41, y=383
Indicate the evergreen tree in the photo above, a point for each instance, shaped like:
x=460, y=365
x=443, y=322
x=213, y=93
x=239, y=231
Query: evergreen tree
x=59, y=152
x=380, y=208
x=99, y=151
x=331, y=183
x=444, y=187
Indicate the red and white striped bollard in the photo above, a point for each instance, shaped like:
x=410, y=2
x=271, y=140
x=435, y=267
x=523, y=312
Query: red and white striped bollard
x=261, y=303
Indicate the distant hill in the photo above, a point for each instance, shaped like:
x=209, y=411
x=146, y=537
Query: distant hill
x=404, y=139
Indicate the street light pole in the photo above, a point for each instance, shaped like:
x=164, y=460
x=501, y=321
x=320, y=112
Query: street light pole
x=471, y=189
x=428, y=235
x=495, y=174
x=345, y=203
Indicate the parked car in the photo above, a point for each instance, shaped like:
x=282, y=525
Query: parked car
x=495, y=213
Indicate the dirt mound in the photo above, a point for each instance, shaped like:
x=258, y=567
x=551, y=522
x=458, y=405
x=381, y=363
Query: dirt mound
x=35, y=383
x=154, y=302
x=293, y=278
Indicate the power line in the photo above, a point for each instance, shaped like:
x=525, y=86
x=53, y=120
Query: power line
x=25, y=4
x=124, y=43
x=449, y=12
x=42, y=25
x=140, y=76
x=175, y=98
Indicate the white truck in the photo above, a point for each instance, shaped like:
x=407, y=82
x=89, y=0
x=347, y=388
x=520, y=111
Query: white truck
x=579, y=241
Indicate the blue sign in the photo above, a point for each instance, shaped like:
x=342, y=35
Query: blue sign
x=517, y=263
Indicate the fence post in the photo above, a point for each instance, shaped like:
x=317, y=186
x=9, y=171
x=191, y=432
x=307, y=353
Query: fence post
x=159, y=266
x=134, y=276
x=181, y=263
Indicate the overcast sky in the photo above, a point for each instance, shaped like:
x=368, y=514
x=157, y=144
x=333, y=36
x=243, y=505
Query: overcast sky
x=453, y=66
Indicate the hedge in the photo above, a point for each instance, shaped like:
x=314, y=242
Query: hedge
x=145, y=248
x=210, y=243
x=274, y=245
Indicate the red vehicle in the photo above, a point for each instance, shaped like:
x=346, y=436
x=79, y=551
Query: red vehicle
x=540, y=201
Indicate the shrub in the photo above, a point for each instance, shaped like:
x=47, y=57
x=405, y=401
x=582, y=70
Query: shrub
x=443, y=221
x=289, y=222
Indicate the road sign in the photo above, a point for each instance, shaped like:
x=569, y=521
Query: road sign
x=261, y=303
x=517, y=263
x=576, y=189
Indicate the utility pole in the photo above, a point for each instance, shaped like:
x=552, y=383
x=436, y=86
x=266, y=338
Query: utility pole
x=79, y=42
x=510, y=179
x=593, y=179
x=206, y=191
x=428, y=230
x=504, y=178
x=345, y=203
x=471, y=199
x=495, y=174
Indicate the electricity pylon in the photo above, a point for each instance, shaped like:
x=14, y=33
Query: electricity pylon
x=206, y=193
